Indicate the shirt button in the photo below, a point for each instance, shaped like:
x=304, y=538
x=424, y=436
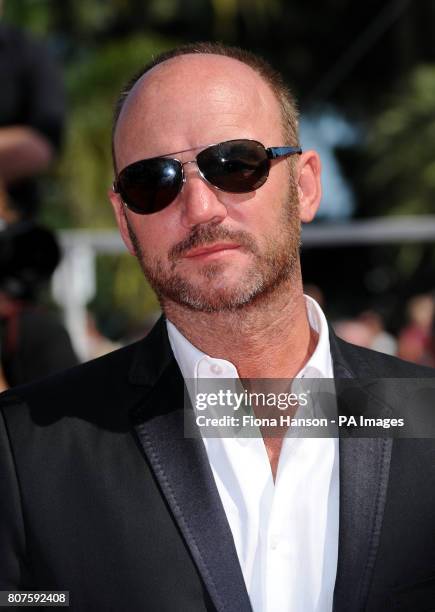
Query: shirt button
x=274, y=542
x=216, y=369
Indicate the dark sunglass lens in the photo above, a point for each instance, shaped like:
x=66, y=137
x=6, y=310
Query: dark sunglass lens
x=150, y=185
x=236, y=166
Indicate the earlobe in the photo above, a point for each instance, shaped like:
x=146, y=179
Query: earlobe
x=309, y=185
x=121, y=220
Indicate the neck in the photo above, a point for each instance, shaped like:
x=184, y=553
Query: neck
x=263, y=340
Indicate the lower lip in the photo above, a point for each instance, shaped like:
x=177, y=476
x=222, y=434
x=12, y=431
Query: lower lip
x=212, y=254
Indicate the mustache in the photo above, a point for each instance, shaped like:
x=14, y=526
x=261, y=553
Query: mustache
x=205, y=235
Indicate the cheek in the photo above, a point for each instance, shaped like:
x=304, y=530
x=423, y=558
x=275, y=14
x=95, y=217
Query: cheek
x=156, y=234
x=271, y=199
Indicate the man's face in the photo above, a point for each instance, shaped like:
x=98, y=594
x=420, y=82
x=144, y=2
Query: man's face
x=208, y=250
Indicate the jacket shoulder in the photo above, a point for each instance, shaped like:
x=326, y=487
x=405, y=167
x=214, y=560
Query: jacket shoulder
x=93, y=390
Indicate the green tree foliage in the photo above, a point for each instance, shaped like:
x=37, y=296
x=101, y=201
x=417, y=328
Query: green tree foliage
x=401, y=176
x=401, y=173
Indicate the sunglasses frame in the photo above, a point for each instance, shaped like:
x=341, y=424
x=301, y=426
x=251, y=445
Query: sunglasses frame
x=271, y=153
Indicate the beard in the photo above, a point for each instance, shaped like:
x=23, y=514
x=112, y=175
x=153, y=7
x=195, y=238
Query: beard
x=271, y=266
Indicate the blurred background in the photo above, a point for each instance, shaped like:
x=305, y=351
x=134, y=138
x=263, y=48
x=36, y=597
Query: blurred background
x=364, y=74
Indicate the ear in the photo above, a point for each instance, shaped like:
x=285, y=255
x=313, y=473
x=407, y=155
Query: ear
x=309, y=186
x=121, y=219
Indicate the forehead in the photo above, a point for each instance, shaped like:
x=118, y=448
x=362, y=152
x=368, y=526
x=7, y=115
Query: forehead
x=193, y=100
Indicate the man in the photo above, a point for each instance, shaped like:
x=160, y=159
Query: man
x=106, y=496
x=32, y=109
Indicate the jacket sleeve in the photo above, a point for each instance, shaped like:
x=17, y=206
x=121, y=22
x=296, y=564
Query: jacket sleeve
x=12, y=540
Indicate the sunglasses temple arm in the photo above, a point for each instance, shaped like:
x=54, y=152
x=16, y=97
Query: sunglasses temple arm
x=275, y=152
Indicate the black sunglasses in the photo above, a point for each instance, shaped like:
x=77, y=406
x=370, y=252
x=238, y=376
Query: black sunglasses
x=234, y=166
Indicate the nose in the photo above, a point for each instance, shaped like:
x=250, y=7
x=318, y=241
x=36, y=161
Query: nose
x=200, y=201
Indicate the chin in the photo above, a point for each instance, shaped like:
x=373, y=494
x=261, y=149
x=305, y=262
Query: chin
x=218, y=288
x=216, y=297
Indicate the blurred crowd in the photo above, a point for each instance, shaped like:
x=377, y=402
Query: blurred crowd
x=413, y=341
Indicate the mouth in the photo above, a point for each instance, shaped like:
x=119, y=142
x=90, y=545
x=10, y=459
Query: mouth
x=213, y=249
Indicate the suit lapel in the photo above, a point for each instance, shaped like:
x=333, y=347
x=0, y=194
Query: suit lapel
x=183, y=472
x=364, y=471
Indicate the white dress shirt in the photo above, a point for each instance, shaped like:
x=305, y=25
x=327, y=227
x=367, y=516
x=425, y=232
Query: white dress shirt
x=285, y=532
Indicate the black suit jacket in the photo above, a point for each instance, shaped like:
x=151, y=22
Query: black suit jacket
x=101, y=495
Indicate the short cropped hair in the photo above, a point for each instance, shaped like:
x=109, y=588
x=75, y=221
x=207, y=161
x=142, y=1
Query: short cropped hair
x=287, y=103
